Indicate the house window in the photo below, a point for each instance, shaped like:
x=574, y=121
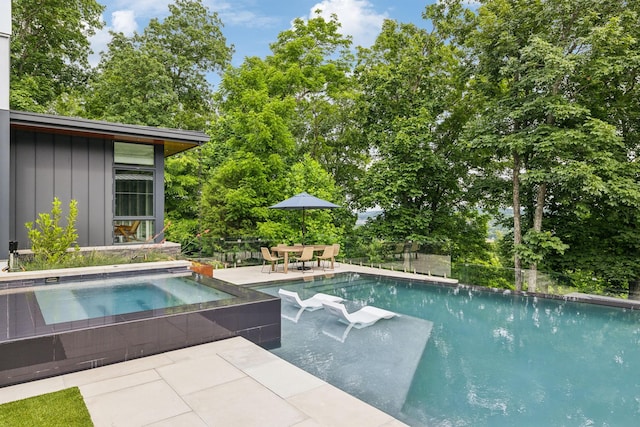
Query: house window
x=134, y=193
x=133, y=154
x=134, y=219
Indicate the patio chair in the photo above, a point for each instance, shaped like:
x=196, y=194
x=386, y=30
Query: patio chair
x=305, y=256
x=336, y=252
x=128, y=231
x=269, y=257
x=327, y=255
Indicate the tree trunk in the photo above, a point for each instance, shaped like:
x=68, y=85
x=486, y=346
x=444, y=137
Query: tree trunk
x=634, y=290
x=537, y=226
x=517, y=231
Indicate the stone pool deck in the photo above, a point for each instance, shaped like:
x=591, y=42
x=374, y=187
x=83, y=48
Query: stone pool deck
x=225, y=383
x=230, y=382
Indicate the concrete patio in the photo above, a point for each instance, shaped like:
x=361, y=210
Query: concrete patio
x=226, y=383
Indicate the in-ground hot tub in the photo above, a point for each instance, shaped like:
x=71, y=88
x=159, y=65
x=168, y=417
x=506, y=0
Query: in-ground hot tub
x=53, y=325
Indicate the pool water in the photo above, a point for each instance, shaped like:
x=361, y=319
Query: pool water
x=87, y=300
x=493, y=359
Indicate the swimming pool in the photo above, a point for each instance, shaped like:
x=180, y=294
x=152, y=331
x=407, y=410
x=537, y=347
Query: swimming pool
x=488, y=359
x=51, y=327
x=99, y=298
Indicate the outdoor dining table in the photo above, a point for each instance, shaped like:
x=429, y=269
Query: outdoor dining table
x=286, y=250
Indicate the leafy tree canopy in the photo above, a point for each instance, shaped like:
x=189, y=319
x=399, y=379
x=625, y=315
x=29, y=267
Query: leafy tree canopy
x=49, y=49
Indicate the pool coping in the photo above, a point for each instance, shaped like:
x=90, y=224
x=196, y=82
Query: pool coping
x=39, y=277
x=33, y=349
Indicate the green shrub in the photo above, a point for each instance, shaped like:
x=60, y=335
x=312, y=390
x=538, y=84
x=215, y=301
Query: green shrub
x=49, y=241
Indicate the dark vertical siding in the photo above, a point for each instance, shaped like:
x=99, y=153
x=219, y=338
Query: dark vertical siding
x=62, y=169
x=6, y=194
x=158, y=191
x=80, y=186
x=44, y=163
x=12, y=187
x=68, y=167
x=108, y=191
x=97, y=204
x=25, y=183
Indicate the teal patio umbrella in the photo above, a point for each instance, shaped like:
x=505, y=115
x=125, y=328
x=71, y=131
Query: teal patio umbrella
x=304, y=201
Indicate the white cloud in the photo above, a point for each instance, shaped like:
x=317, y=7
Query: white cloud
x=144, y=8
x=238, y=14
x=124, y=21
x=358, y=18
x=98, y=43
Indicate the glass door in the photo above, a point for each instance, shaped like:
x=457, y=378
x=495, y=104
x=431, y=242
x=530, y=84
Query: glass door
x=134, y=220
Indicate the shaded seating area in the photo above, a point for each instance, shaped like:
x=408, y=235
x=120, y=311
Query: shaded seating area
x=304, y=255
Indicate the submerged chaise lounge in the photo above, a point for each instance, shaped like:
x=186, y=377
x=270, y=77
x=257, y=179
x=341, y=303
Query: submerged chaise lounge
x=362, y=318
x=309, y=304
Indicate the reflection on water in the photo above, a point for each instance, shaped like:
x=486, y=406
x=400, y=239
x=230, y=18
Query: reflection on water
x=504, y=360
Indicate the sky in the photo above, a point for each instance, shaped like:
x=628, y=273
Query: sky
x=251, y=25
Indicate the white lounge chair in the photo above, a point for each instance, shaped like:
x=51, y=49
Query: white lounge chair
x=362, y=318
x=309, y=304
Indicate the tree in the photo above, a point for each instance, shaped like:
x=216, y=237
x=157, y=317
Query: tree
x=236, y=197
x=49, y=49
x=411, y=111
x=529, y=60
x=189, y=43
x=601, y=230
x=132, y=86
x=159, y=77
x=321, y=225
x=274, y=112
x=314, y=66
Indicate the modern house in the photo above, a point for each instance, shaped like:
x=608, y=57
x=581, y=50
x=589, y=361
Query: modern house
x=5, y=46
x=114, y=171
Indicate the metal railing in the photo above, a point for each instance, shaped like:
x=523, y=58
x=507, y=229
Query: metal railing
x=415, y=258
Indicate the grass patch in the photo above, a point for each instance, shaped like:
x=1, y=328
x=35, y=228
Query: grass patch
x=63, y=408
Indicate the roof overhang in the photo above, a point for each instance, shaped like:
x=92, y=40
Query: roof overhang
x=173, y=140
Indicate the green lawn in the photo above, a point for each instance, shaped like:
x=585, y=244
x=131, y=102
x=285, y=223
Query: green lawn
x=63, y=408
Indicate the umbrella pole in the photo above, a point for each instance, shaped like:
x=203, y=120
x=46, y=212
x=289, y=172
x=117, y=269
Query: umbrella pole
x=303, y=227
